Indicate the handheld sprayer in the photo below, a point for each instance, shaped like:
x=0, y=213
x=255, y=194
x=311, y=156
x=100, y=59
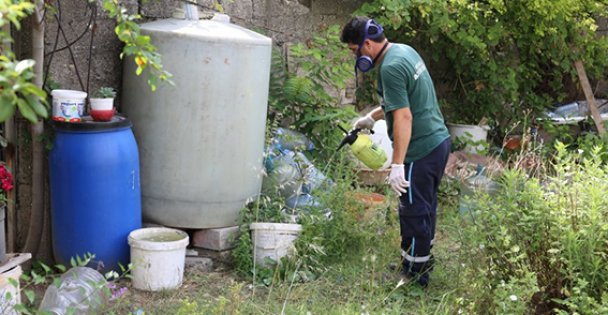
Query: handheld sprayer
x=364, y=149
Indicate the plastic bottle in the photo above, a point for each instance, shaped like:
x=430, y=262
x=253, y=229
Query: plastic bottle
x=476, y=183
x=79, y=290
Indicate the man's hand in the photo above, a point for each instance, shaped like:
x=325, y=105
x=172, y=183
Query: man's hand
x=397, y=179
x=365, y=122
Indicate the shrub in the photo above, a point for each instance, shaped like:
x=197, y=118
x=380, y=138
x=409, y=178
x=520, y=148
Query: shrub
x=497, y=59
x=541, y=240
x=305, y=90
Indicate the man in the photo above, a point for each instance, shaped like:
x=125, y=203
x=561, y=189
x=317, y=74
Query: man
x=415, y=125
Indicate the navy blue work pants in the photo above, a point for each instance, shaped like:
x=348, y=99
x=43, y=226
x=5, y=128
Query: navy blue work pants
x=418, y=208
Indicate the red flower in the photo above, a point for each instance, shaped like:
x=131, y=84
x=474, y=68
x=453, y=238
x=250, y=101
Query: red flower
x=6, y=179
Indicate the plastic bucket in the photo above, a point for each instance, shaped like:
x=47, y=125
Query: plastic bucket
x=158, y=256
x=468, y=134
x=68, y=105
x=273, y=240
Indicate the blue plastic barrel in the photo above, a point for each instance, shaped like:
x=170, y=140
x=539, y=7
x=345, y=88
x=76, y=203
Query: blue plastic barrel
x=95, y=191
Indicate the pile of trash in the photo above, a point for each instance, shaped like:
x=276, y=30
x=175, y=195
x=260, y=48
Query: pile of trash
x=290, y=173
x=574, y=112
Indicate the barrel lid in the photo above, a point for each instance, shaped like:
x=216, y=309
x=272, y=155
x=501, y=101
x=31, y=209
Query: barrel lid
x=88, y=124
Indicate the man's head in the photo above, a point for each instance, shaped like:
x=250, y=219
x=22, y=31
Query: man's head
x=365, y=38
x=361, y=28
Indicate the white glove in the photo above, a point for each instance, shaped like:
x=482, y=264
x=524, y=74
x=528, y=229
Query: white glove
x=365, y=122
x=397, y=179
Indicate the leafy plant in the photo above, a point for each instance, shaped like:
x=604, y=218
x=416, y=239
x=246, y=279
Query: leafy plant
x=16, y=88
x=542, y=238
x=305, y=90
x=497, y=59
x=106, y=92
x=136, y=44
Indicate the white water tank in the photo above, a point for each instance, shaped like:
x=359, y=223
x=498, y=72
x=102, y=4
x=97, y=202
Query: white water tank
x=201, y=141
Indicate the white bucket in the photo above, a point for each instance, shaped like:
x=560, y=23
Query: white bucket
x=10, y=295
x=273, y=240
x=469, y=133
x=68, y=105
x=158, y=255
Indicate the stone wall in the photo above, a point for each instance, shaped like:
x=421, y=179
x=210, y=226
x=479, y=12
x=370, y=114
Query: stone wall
x=91, y=59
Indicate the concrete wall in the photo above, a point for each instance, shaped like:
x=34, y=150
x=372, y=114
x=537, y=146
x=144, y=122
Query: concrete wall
x=93, y=61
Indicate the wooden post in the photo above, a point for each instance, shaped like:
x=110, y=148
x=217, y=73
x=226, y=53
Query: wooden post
x=595, y=113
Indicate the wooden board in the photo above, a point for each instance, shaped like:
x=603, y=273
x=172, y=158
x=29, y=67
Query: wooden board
x=595, y=113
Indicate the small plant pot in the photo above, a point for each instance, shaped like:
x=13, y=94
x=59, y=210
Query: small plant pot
x=102, y=103
x=102, y=115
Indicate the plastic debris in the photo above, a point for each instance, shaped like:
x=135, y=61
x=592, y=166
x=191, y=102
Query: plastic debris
x=574, y=112
x=79, y=291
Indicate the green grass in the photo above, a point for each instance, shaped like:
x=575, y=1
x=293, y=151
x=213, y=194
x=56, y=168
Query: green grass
x=359, y=283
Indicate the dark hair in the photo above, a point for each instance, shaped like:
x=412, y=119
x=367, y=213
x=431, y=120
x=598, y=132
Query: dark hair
x=353, y=32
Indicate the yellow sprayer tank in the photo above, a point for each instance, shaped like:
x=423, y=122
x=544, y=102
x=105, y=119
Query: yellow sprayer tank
x=201, y=141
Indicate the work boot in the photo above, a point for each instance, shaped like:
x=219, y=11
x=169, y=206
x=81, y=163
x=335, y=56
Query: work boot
x=421, y=278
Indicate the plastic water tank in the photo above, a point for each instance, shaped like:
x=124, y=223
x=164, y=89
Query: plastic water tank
x=201, y=140
x=95, y=190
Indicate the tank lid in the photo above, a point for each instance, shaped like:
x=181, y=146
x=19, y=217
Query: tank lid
x=209, y=30
x=88, y=124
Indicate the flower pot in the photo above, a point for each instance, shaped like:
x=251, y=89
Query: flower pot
x=471, y=135
x=102, y=109
x=512, y=142
x=102, y=103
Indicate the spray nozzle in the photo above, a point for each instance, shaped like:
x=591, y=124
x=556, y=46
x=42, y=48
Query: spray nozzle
x=351, y=136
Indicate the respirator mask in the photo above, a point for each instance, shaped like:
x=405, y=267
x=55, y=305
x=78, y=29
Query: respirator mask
x=372, y=30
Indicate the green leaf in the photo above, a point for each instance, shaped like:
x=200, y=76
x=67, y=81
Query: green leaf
x=30, y=295
x=13, y=282
x=26, y=111
x=24, y=65
x=7, y=108
x=142, y=40
x=39, y=109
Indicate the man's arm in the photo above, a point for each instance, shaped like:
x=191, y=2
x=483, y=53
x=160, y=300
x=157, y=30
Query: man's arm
x=376, y=114
x=402, y=133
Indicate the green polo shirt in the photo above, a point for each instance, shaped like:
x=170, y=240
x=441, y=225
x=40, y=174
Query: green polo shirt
x=403, y=81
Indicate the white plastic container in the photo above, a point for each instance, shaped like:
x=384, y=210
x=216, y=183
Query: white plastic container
x=469, y=133
x=158, y=256
x=80, y=290
x=205, y=134
x=273, y=240
x=10, y=295
x=68, y=105
x=380, y=137
x=102, y=103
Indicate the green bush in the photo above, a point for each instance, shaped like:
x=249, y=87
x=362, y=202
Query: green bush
x=498, y=58
x=540, y=241
x=331, y=233
x=305, y=89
